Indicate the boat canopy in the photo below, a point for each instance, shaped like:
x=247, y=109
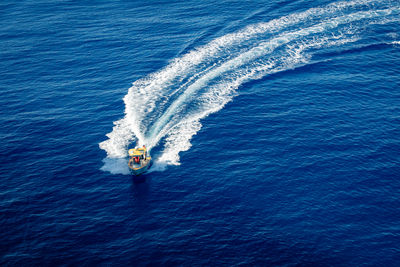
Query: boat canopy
x=136, y=152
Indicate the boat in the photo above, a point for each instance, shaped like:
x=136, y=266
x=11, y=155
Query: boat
x=139, y=161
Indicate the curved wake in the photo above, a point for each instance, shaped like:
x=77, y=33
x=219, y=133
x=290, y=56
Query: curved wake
x=168, y=105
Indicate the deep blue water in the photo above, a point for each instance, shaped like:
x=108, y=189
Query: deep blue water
x=274, y=128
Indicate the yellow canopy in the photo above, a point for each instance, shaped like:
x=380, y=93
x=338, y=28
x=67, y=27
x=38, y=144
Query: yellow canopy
x=136, y=152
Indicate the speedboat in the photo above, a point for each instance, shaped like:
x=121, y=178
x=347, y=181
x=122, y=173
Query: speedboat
x=139, y=160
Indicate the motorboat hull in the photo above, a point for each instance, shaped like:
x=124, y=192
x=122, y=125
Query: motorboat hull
x=140, y=169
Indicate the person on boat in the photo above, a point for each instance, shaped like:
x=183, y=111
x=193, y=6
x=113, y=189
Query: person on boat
x=145, y=152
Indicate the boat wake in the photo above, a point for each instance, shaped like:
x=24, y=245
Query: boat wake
x=165, y=108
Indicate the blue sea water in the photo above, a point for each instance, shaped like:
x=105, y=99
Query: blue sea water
x=274, y=127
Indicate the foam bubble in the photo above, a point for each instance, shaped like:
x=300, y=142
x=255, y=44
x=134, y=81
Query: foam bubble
x=116, y=166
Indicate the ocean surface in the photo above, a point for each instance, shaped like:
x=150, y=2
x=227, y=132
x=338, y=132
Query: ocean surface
x=274, y=127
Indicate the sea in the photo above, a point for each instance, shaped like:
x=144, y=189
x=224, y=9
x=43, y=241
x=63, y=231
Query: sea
x=274, y=129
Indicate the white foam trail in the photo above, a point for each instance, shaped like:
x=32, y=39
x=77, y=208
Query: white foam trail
x=169, y=104
x=116, y=165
